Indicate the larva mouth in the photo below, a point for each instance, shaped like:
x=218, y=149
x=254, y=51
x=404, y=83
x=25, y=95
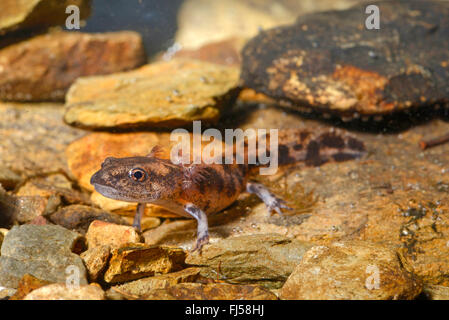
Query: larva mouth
x=113, y=193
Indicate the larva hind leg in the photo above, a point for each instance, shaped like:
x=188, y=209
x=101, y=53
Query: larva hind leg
x=203, y=228
x=271, y=201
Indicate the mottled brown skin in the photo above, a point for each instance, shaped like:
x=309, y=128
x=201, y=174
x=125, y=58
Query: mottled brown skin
x=198, y=190
x=212, y=187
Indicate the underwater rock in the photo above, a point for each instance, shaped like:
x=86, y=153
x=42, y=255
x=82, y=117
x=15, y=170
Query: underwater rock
x=211, y=291
x=144, y=286
x=162, y=94
x=265, y=259
x=79, y=217
x=20, y=209
x=102, y=233
x=135, y=261
x=329, y=62
x=59, y=291
x=43, y=68
x=37, y=14
x=27, y=284
x=26, y=209
x=96, y=260
x=351, y=270
x=34, y=138
x=42, y=251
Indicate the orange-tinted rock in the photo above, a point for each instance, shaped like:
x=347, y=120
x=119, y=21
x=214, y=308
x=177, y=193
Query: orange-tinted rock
x=139, y=261
x=96, y=260
x=43, y=68
x=102, y=233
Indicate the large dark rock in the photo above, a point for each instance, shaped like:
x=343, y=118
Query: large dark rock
x=332, y=63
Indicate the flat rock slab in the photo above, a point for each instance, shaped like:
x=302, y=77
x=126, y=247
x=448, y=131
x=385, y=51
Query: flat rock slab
x=136, y=261
x=42, y=251
x=163, y=94
x=329, y=62
x=43, y=68
x=351, y=271
x=37, y=14
x=265, y=259
x=34, y=139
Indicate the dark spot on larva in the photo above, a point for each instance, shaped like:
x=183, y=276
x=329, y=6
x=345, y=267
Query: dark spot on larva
x=355, y=144
x=207, y=205
x=238, y=173
x=303, y=135
x=297, y=147
x=284, y=155
x=231, y=187
x=213, y=177
x=339, y=157
x=313, y=154
x=332, y=141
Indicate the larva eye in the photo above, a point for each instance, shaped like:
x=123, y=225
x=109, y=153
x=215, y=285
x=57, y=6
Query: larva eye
x=137, y=174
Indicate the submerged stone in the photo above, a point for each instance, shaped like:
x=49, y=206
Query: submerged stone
x=331, y=63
